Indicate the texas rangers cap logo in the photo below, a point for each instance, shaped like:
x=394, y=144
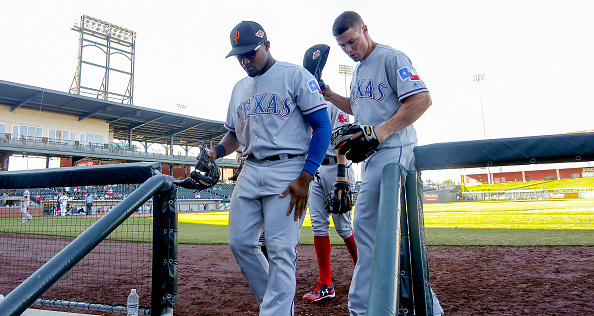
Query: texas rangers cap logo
x=316, y=54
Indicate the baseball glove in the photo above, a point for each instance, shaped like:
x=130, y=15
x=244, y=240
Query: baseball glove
x=357, y=149
x=341, y=205
x=205, y=176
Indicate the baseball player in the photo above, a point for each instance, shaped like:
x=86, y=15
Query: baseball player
x=387, y=96
x=62, y=202
x=333, y=170
x=271, y=114
x=89, y=202
x=25, y=206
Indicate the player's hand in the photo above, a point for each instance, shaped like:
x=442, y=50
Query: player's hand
x=340, y=192
x=379, y=132
x=298, y=189
x=212, y=154
x=327, y=93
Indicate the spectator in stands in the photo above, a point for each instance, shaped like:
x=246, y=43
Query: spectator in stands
x=4, y=197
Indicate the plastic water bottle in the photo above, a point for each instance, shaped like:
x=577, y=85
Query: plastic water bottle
x=132, y=306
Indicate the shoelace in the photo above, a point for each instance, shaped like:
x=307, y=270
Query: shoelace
x=319, y=286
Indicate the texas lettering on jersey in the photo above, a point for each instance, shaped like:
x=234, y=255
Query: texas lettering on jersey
x=367, y=89
x=260, y=104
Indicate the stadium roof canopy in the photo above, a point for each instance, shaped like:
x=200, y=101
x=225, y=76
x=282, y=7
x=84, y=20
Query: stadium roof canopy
x=142, y=124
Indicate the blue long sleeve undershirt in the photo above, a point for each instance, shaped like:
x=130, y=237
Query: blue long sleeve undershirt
x=320, y=139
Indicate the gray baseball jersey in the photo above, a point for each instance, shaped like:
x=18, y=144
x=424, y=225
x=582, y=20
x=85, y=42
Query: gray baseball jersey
x=26, y=198
x=337, y=118
x=25, y=205
x=62, y=202
x=381, y=83
x=324, y=183
x=267, y=114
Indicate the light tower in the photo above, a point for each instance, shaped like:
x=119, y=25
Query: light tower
x=345, y=70
x=478, y=78
x=111, y=40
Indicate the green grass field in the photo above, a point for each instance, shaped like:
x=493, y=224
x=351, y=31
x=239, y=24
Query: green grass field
x=136, y=228
x=505, y=223
x=578, y=183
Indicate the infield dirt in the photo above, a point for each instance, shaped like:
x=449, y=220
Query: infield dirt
x=467, y=280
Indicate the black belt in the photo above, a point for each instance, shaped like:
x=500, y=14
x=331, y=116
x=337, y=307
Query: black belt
x=271, y=158
x=329, y=160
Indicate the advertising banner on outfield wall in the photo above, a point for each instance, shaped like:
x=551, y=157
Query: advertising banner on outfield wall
x=563, y=195
x=431, y=197
x=439, y=196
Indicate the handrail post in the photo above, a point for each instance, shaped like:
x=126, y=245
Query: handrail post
x=383, y=291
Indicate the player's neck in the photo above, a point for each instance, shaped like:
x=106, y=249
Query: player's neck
x=372, y=46
x=268, y=65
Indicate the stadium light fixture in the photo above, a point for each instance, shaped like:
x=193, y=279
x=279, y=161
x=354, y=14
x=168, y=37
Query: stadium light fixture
x=345, y=70
x=478, y=78
x=97, y=27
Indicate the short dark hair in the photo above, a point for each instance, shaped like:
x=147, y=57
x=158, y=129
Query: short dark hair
x=345, y=21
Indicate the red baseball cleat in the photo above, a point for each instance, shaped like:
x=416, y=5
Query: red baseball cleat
x=321, y=292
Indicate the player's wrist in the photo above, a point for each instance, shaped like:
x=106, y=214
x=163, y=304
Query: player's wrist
x=220, y=151
x=341, y=171
x=380, y=132
x=305, y=175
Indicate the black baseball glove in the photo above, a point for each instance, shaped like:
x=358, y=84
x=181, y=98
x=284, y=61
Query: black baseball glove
x=341, y=205
x=205, y=176
x=358, y=149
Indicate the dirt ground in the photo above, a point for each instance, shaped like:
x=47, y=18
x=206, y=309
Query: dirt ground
x=467, y=280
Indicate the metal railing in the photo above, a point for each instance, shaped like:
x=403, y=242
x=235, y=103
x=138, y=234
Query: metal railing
x=155, y=186
x=24, y=143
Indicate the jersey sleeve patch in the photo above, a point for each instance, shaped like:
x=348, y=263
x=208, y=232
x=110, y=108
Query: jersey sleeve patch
x=406, y=73
x=313, y=86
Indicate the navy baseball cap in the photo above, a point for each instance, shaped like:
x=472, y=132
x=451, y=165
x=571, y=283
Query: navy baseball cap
x=246, y=36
